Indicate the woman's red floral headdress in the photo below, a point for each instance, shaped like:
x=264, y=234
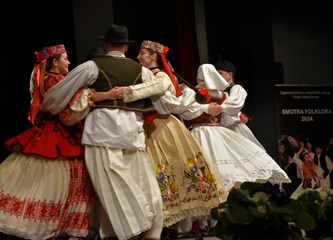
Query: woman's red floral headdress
x=37, y=77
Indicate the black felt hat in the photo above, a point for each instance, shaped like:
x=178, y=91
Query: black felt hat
x=225, y=66
x=117, y=34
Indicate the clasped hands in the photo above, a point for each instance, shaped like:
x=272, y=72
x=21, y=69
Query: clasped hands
x=214, y=109
x=112, y=94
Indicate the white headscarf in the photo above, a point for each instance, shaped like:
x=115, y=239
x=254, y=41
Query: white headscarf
x=213, y=80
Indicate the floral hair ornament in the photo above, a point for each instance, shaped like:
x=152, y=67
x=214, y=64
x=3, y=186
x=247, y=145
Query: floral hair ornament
x=161, y=51
x=155, y=46
x=48, y=52
x=37, y=76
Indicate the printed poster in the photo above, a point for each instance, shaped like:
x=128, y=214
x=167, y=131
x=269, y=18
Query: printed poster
x=305, y=134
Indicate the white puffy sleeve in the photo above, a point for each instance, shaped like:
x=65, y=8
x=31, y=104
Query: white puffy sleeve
x=58, y=97
x=189, y=108
x=151, y=87
x=235, y=101
x=78, y=108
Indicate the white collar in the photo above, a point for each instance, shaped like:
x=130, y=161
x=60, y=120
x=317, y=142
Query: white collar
x=116, y=54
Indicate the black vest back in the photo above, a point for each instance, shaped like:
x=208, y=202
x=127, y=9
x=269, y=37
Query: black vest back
x=119, y=71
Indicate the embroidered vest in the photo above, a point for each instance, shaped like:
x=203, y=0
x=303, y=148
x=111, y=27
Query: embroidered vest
x=119, y=71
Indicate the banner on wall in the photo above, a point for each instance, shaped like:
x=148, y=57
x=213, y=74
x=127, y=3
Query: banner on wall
x=304, y=124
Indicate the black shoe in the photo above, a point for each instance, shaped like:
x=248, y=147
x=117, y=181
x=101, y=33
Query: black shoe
x=165, y=233
x=173, y=233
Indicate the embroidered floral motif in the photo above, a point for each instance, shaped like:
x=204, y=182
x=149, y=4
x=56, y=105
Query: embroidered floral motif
x=197, y=178
x=200, y=179
x=167, y=183
x=73, y=218
x=34, y=210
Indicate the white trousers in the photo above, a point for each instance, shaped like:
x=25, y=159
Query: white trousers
x=130, y=198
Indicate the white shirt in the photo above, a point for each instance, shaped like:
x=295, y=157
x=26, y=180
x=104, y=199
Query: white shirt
x=114, y=128
x=233, y=105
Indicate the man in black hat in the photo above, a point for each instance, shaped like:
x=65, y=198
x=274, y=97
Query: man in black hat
x=115, y=150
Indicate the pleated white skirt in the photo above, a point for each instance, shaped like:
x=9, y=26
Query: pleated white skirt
x=237, y=158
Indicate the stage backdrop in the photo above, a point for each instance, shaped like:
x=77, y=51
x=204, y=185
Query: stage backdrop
x=304, y=116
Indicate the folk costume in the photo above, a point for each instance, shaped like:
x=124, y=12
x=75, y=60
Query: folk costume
x=234, y=103
x=114, y=139
x=235, y=157
x=310, y=173
x=187, y=183
x=320, y=158
x=45, y=189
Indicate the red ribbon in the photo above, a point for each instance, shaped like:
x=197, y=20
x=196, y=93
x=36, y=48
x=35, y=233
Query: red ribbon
x=149, y=117
x=246, y=116
x=38, y=90
x=205, y=93
x=167, y=70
